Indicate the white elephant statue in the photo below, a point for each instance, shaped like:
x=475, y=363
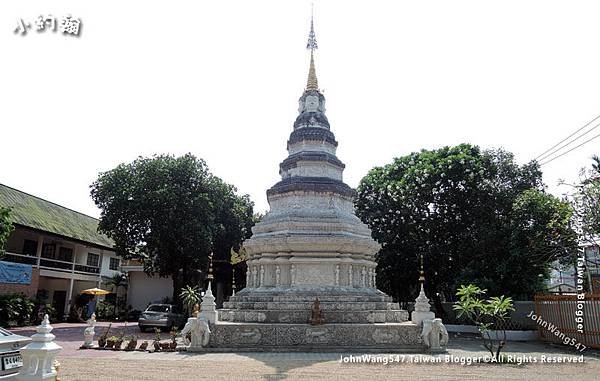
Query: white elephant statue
x=200, y=333
x=435, y=335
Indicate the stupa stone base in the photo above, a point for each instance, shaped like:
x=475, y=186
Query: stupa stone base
x=260, y=337
x=276, y=319
x=292, y=305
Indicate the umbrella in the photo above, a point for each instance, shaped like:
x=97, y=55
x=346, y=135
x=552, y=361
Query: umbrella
x=95, y=291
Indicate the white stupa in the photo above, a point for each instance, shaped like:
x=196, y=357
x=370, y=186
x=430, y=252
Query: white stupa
x=312, y=245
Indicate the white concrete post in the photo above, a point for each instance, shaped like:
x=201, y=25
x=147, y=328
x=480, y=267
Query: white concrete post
x=350, y=283
x=293, y=274
x=69, y=295
x=262, y=276
x=38, y=252
x=39, y=355
x=255, y=277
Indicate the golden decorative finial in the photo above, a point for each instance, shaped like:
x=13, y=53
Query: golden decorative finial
x=422, y=272
x=210, y=265
x=196, y=311
x=312, y=83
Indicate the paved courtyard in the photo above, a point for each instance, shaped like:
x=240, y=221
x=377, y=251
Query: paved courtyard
x=114, y=365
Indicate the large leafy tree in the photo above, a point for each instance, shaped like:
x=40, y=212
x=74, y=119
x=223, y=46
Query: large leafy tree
x=475, y=216
x=6, y=228
x=234, y=222
x=170, y=213
x=586, y=201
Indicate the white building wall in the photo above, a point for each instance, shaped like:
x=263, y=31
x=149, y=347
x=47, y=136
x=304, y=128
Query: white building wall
x=144, y=290
x=105, y=256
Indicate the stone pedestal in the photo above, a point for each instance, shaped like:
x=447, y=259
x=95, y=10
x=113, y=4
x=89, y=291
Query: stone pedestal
x=389, y=337
x=39, y=355
x=277, y=319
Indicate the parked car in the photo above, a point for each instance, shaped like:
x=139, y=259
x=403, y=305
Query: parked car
x=165, y=316
x=10, y=357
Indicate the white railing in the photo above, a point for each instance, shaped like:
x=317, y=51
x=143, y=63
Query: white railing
x=52, y=264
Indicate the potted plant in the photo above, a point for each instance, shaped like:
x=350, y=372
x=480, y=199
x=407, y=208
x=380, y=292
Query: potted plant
x=143, y=346
x=156, y=342
x=110, y=342
x=132, y=343
x=119, y=342
x=173, y=343
x=102, y=338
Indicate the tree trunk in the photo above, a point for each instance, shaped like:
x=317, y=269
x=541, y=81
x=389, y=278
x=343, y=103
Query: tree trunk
x=176, y=286
x=439, y=306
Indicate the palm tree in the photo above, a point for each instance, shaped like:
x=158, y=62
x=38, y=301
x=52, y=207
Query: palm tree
x=190, y=296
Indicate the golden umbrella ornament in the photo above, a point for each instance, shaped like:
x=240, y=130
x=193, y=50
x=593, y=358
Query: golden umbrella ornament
x=95, y=291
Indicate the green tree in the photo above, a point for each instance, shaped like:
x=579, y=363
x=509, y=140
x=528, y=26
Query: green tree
x=170, y=213
x=476, y=216
x=6, y=228
x=235, y=219
x=118, y=280
x=585, y=197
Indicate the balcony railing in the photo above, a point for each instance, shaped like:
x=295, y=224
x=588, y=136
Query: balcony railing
x=87, y=269
x=53, y=264
x=18, y=258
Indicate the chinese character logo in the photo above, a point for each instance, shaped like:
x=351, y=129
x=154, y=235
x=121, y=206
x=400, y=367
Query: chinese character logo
x=68, y=25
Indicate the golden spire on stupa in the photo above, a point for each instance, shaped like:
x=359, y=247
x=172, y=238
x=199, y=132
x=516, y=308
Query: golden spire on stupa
x=422, y=272
x=312, y=83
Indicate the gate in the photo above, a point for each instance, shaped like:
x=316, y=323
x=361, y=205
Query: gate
x=558, y=313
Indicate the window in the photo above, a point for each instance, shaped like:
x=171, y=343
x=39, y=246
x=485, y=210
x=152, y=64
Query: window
x=48, y=250
x=93, y=259
x=159, y=307
x=30, y=247
x=65, y=254
x=114, y=264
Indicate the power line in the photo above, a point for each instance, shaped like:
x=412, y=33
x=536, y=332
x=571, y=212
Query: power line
x=568, y=143
x=551, y=148
x=564, y=153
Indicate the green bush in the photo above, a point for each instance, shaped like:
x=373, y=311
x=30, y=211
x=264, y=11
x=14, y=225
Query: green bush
x=104, y=311
x=15, y=310
x=488, y=315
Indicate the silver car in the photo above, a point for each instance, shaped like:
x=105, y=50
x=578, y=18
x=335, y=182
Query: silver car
x=10, y=357
x=165, y=316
